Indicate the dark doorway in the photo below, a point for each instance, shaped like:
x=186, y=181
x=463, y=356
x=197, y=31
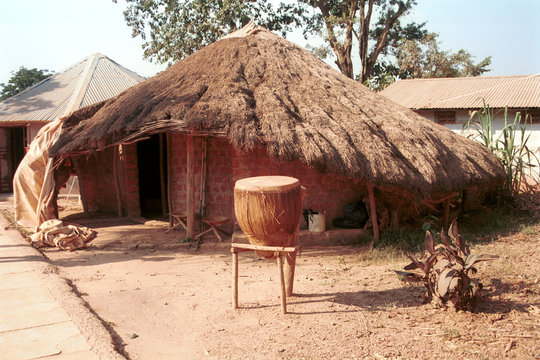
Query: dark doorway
x=17, y=144
x=11, y=154
x=153, y=176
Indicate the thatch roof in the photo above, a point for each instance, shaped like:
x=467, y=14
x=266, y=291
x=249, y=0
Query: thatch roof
x=262, y=89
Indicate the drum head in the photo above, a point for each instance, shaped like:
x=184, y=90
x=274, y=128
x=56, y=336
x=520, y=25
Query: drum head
x=267, y=183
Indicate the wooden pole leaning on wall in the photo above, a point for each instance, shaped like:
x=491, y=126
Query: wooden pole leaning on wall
x=190, y=177
x=204, y=161
x=162, y=176
x=374, y=220
x=446, y=219
x=82, y=189
x=169, y=178
x=116, y=158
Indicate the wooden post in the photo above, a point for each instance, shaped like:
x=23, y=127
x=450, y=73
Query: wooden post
x=169, y=179
x=235, y=278
x=395, y=219
x=290, y=265
x=373, y=214
x=117, y=181
x=282, y=283
x=202, y=209
x=190, y=187
x=82, y=189
x=446, y=213
x=162, y=177
x=464, y=201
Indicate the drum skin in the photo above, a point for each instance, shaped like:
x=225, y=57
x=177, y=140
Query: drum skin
x=268, y=210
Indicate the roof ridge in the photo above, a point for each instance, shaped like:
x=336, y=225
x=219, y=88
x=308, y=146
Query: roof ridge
x=82, y=85
x=472, y=77
x=130, y=73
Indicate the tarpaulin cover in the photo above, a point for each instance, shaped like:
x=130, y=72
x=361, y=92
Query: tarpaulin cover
x=33, y=183
x=64, y=236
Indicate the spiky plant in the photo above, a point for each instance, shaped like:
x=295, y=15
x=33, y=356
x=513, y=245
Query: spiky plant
x=445, y=269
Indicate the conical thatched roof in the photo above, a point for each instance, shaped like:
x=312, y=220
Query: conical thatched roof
x=262, y=89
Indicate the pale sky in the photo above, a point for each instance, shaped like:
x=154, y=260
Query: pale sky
x=54, y=34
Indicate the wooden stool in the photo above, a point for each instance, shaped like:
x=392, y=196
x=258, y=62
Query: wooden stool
x=214, y=223
x=280, y=251
x=179, y=219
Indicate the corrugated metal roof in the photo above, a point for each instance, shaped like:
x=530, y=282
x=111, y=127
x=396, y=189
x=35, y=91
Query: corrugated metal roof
x=94, y=79
x=518, y=91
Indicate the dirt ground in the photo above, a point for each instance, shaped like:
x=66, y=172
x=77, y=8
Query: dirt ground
x=164, y=300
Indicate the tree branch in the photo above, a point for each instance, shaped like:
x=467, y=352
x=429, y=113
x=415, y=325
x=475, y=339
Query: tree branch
x=381, y=41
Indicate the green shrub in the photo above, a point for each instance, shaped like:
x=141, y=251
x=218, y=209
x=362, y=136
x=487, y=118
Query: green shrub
x=510, y=146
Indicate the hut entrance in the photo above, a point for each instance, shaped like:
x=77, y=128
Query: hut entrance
x=11, y=153
x=152, y=163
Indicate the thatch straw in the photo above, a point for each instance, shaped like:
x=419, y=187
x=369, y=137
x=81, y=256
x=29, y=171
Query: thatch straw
x=262, y=89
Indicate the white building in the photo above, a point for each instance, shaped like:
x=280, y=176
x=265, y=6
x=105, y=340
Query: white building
x=451, y=101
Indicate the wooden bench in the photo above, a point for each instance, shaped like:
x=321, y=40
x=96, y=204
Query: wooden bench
x=179, y=219
x=214, y=223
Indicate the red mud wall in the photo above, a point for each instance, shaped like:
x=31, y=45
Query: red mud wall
x=97, y=185
x=128, y=170
x=219, y=185
x=95, y=173
x=325, y=192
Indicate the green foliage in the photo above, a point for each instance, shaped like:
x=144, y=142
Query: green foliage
x=22, y=79
x=401, y=240
x=421, y=57
x=444, y=270
x=510, y=145
x=188, y=239
x=383, y=75
x=424, y=59
x=173, y=30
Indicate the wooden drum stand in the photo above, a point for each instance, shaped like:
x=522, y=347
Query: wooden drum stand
x=286, y=278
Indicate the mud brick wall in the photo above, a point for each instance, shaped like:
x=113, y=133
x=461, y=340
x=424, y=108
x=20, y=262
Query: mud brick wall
x=219, y=186
x=225, y=166
x=128, y=170
x=324, y=192
x=95, y=174
x=96, y=178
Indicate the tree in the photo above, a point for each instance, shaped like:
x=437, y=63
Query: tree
x=424, y=59
x=174, y=29
x=375, y=25
x=22, y=79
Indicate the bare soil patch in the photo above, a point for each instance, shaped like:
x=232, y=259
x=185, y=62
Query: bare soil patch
x=167, y=301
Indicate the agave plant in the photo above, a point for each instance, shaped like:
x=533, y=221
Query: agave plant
x=445, y=270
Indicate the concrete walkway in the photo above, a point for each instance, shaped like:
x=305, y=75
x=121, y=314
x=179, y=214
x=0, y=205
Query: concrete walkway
x=37, y=307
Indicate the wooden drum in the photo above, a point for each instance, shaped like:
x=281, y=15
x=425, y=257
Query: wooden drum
x=268, y=210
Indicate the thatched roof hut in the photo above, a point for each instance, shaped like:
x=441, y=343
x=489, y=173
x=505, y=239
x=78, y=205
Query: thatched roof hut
x=261, y=89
